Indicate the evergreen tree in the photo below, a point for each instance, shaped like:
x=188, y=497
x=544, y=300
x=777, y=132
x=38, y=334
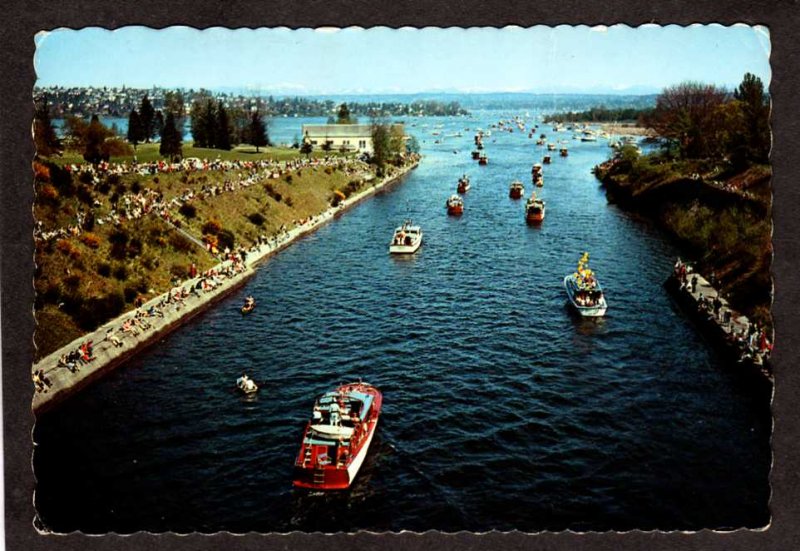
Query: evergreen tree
x=171, y=141
x=175, y=104
x=147, y=118
x=47, y=142
x=135, y=131
x=223, y=131
x=755, y=112
x=158, y=124
x=258, y=131
x=96, y=134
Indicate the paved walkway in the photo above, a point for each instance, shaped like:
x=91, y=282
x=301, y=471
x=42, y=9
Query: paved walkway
x=112, y=345
x=745, y=339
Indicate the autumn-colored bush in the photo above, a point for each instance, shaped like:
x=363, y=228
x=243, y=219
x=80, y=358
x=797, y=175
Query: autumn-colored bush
x=48, y=194
x=212, y=227
x=91, y=240
x=64, y=246
x=41, y=172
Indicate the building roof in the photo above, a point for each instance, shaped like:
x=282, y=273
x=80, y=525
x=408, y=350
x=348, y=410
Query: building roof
x=339, y=130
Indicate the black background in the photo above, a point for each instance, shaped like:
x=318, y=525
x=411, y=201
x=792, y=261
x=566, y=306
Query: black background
x=21, y=21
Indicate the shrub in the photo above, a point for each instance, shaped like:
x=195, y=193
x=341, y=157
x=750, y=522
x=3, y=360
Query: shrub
x=94, y=311
x=180, y=243
x=91, y=240
x=119, y=244
x=88, y=222
x=328, y=170
x=85, y=178
x=65, y=247
x=62, y=180
x=48, y=194
x=104, y=187
x=135, y=247
x=136, y=187
x=212, y=227
x=120, y=188
x=129, y=293
x=121, y=272
x=288, y=201
x=155, y=179
x=85, y=194
x=288, y=178
x=187, y=210
x=257, y=218
x=113, y=179
x=179, y=271
x=40, y=172
x=226, y=239
x=104, y=269
x=72, y=282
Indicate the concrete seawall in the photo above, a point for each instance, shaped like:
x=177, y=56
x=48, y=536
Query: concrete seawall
x=726, y=328
x=107, y=355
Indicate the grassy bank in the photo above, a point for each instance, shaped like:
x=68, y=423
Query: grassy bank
x=148, y=152
x=721, y=218
x=84, y=279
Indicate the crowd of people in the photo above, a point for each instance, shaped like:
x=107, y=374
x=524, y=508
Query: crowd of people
x=750, y=340
x=144, y=319
x=133, y=206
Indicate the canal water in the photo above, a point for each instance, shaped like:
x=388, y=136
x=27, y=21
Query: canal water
x=502, y=409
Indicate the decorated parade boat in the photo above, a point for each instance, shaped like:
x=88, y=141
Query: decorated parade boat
x=584, y=291
x=455, y=205
x=516, y=190
x=407, y=239
x=534, y=209
x=337, y=437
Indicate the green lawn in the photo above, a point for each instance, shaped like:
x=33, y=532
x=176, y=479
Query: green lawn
x=149, y=152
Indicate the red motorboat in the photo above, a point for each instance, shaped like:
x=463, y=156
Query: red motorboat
x=534, y=209
x=455, y=205
x=517, y=190
x=337, y=437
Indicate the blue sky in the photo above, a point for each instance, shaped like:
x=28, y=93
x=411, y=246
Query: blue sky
x=408, y=60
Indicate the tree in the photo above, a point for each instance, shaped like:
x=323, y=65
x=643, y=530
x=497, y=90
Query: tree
x=379, y=130
x=202, y=114
x=147, y=117
x=158, y=124
x=96, y=134
x=686, y=116
x=174, y=103
x=413, y=144
x=223, y=130
x=135, y=131
x=307, y=146
x=397, y=142
x=171, y=141
x=755, y=113
x=344, y=115
x=44, y=135
x=257, y=131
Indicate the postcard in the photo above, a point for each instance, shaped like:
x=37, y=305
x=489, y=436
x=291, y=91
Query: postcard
x=398, y=280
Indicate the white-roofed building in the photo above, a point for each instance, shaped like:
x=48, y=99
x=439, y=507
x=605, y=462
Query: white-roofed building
x=351, y=137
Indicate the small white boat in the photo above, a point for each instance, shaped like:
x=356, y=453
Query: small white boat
x=407, y=239
x=246, y=384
